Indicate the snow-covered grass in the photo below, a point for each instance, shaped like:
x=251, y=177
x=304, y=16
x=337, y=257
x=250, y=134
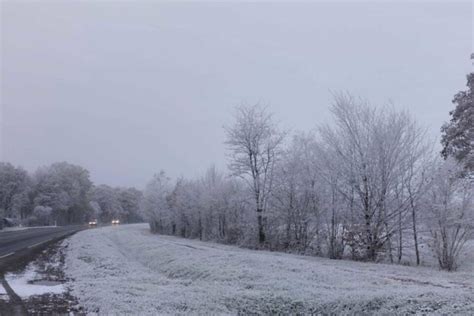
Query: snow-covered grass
x=127, y=270
x=466, y=258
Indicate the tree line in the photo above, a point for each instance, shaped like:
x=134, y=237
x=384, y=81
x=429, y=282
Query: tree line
x=367, y=186
x=62, y=194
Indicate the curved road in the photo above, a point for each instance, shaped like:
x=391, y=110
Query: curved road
x=13, y=241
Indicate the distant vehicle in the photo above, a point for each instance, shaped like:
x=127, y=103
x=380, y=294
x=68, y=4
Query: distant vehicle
x=93, y=223
x=115, y=222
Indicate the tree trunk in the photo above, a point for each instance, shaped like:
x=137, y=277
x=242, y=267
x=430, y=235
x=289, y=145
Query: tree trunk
x=223, y=227
x=353, y=249
x=369, y=242
x=415, y=233
x=389, y=243
x=261, y=230
x=200, y=227
x=400, y=237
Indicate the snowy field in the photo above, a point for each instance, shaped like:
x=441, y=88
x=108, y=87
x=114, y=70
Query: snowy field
x=126, y=269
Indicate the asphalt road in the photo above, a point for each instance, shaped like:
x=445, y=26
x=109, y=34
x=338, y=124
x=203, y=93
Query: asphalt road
x=12, y=242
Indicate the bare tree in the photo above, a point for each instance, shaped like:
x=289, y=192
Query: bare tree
x=337, y=202
x=419, y=162
x=371, y=146
x=296, y=196
x=154, y=206
x=254, y=142
x=451, y=205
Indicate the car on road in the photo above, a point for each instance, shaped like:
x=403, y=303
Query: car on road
x=115, y=221
x=93, y=223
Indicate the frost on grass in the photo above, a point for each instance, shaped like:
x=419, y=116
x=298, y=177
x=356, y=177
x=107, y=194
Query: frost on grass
x=128, y=270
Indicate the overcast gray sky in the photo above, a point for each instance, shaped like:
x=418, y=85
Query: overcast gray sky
x=128, y=88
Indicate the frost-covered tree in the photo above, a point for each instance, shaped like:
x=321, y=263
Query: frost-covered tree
x=95, y=210
x=412, y=185
x=296, y=214
x=211, y=207
x=110, y=203
x=371, y=147
x=458, y=134
x=108, y=200
x=154, y=206
x=254, y=141
x=337, y=203
x=185, y=210
x=221, y=204
x=15, y=185
x=358, y=185
x=450, y=203
x=64, y=188
x=130, y=201
x=42, y=215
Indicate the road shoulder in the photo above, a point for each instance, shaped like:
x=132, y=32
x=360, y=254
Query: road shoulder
x=39, y=286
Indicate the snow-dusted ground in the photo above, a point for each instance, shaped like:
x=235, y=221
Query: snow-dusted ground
x=26, y=284
x=127, y=270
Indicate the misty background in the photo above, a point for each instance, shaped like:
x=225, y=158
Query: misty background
x=125, y=89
